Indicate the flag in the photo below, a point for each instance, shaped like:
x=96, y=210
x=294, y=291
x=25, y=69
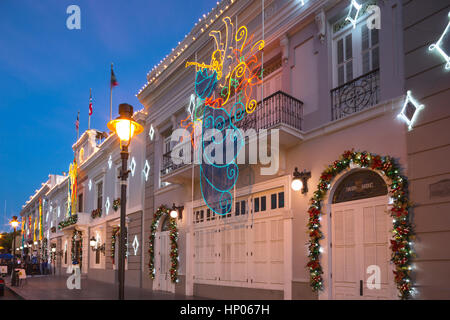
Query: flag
x=113, y=78
x=77, y=123
x=90, y=103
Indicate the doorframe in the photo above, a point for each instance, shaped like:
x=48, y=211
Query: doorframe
x=325, y=243
x=157, y=263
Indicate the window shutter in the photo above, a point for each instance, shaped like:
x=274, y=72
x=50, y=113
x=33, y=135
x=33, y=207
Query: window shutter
x=375, y=58
x=340, y=51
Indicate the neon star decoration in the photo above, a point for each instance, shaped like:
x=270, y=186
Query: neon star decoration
x=90, y=185
x=107, y=205
x=353, y=13
x=135, y=245
x=410, y=110
x=110, y=162
x=439, y=45
x=133, y=166
x=151, y=133
x=146, y=170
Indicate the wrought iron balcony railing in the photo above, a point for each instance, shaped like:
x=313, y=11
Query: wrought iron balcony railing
x=278, y=108
x=356, y=95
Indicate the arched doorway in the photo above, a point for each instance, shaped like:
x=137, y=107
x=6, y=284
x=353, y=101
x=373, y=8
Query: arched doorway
x=162, y=257
x=360, y=227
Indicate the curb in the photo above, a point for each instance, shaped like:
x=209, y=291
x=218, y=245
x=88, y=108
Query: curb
x=15, y=293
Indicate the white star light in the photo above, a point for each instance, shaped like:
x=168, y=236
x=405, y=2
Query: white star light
x=132, y=166
x=191, y=107
x=135, y=245
x=90, y=185
x=438, y=45
x=151, y=133
x=410, y=110
x=110, y=161
x=59, y=211
x=107, y=205
x=353, y=13
x=146, y=170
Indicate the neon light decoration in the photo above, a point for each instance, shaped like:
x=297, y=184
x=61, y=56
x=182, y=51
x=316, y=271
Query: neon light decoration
x=146, y=170
x=90, y=184
x=41, y=229
x=107, y=205
x=72, y=189
x=353, y=13
x=110, y=161
x=410, y=110
x=132, y=166
x=151, y=132
x=232, y=72
x=438, y=46
x=135, y=245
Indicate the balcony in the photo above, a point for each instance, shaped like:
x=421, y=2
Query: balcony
x=356, y=95
x=278, y=110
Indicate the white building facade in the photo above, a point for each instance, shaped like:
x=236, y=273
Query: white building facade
x=333, y=88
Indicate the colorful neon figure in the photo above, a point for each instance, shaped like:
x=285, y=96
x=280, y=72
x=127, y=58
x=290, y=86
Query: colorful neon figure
x=231, y=72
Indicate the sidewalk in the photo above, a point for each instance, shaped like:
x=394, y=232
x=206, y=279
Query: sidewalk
x=54, y=288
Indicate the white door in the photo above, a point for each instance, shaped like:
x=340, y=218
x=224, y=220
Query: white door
x=361, y=239
x=163, y=262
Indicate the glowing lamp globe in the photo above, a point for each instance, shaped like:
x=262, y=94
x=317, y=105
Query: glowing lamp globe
x=14, y=223
x=124, y=125
x=35, y=243
x=174, y=214
x=53, y=249
x=93, y=242
x=297, y=184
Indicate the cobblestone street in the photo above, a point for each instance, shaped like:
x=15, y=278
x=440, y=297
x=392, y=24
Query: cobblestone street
x=54, y=288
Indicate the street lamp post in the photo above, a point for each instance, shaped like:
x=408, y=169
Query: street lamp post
x=14, y=223
x=125, y=128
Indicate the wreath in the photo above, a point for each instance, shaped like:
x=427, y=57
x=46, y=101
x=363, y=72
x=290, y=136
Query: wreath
x=173, y=235
x=401, y=245
x=96, y=213
x=116, y=204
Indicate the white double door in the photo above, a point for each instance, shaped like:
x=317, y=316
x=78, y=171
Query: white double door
x=360, y=249
x=162, y=263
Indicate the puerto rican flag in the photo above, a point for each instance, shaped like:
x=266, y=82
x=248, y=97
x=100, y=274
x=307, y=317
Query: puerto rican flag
x=90, y=104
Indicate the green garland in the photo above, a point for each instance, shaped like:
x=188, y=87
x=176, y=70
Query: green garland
x=75, y=234
x=401, y=245
x=45, y=249
x=116, y=230
x=68, y=222
x=173, y=235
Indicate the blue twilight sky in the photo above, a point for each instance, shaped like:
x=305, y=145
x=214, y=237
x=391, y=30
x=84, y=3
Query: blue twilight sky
x=46, y=71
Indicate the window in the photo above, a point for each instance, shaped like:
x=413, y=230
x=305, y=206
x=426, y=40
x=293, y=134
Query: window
x=208, y=214
x=273, y=201
x=281, y=200
x=100, y=195
x=243, y=207
x=355, y=52
x=263, y=203
x=238, y=208
x=370, y=49
x=80, y=202
x=97, y=257
x=256, y=204
x=345, y=59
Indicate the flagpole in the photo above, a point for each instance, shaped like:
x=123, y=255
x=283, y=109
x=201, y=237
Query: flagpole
x=90, y=97
x=78, y=126
x=110, y=96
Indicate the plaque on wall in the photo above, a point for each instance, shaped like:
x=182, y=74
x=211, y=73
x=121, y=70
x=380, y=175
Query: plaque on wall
x=360, y=185
x=440, y=189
